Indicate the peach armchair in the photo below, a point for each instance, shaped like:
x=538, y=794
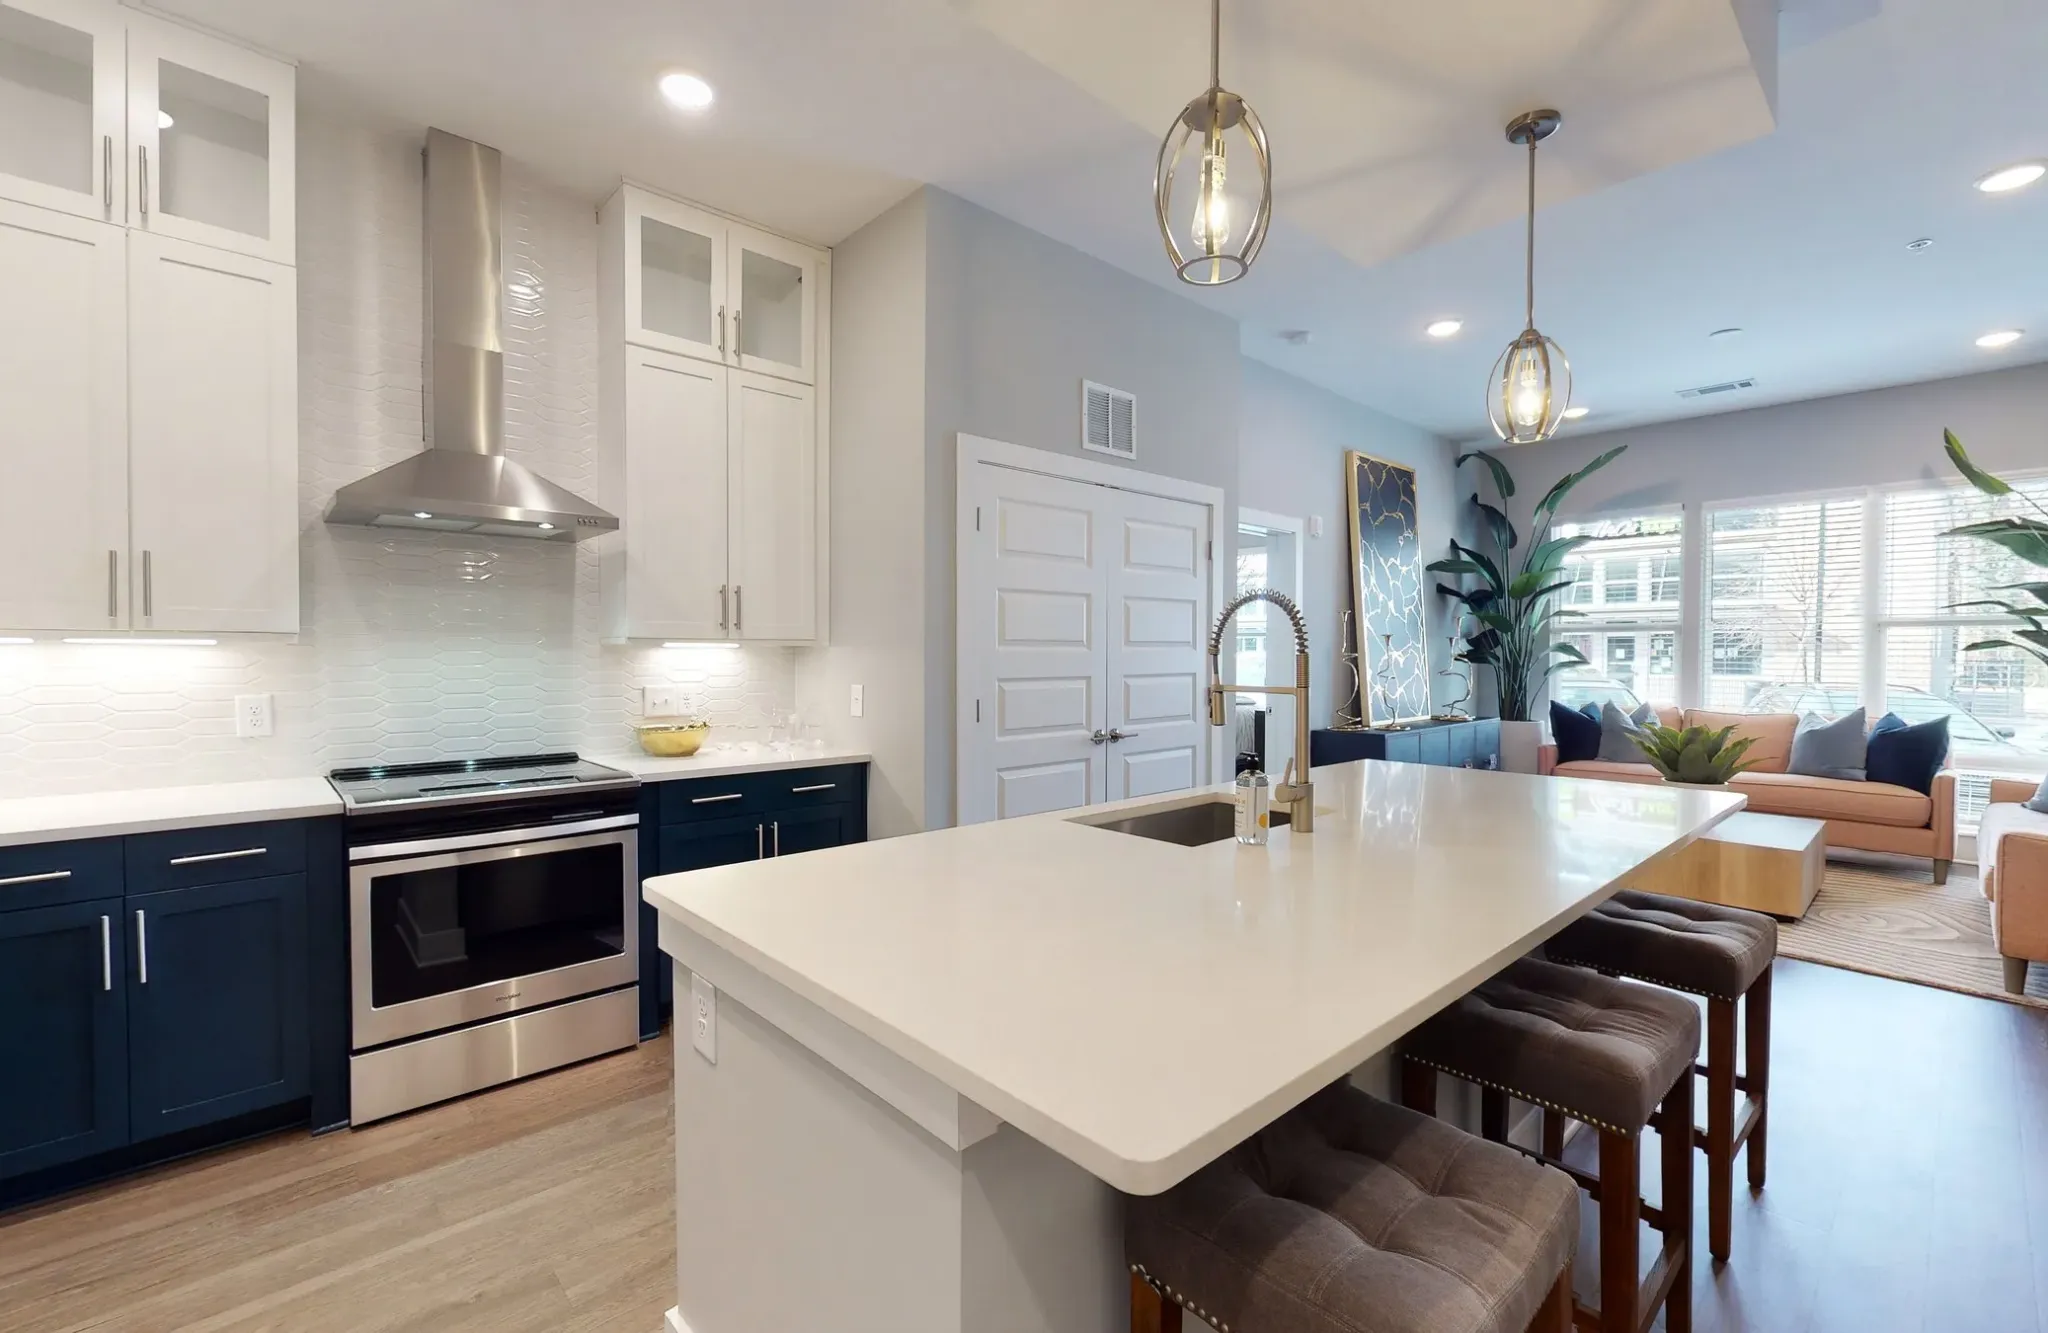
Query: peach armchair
x=2012, y=852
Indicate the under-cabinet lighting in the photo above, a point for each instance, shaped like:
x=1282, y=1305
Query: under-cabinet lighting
x=14, y=640
x=144, y=643
x=700, y=645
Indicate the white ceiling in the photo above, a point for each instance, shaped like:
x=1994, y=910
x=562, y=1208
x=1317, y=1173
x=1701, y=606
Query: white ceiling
x=1671, y=206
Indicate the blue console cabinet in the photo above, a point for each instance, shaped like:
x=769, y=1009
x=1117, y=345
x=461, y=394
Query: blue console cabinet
x=1474, y=743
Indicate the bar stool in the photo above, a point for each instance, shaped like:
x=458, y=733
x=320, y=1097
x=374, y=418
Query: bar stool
x=1613, y=1054
x=1348, y=1215
x=1723, y=954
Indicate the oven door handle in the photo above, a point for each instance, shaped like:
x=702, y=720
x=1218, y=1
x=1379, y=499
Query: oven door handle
x=536, y=833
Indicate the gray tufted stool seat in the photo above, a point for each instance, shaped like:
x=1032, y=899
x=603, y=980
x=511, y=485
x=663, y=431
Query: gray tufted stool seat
x=1352, y=1215
x=1614, y=1054
x=1723, y=954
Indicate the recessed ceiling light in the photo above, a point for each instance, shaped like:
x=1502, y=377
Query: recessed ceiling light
x=1924, y=243
x=1445, y=328
x=164, y=121
x=686, y=92
x=2000, y=338
x=2016, y=177
x=1574, y=413
x=1724, y=335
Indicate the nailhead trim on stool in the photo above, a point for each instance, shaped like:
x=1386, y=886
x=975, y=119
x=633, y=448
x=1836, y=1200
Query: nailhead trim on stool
x=1179, y=1300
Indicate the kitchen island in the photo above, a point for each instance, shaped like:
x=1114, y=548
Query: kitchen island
x=941, y=1059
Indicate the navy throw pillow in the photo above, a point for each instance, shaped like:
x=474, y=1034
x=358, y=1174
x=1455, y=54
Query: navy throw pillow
x=1907, y=756
x=1577, y=736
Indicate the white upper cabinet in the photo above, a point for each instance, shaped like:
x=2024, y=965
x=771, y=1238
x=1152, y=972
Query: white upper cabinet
x=703, y=286
x=213, y=407
x=211, y=134
x=772, y=426
x=677, y=581
x=63, y=92
x=63, y=439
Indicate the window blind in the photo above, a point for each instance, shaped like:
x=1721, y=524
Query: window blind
x=1626, y=581
x=1784, y=608
x=1926, y=571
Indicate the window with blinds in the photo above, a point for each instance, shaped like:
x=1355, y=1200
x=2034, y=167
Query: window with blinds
x=1625, y=582
x=1784, y=613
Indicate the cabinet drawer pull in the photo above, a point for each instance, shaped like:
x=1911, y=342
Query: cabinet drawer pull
x=778, y=837
x=45, y=877
x=815, y=786
x=204, y=857
x=714, y=800
x=142, y=946
x=106, y=953
x=760, y=843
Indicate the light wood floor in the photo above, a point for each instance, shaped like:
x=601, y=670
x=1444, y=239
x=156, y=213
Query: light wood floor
x=547, y=1206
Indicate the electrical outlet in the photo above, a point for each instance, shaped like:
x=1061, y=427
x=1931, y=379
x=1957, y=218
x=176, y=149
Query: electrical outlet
x=253, y=715
x=856, y=702
x=660, y=701
x=704, y=1017
x=1315, y=525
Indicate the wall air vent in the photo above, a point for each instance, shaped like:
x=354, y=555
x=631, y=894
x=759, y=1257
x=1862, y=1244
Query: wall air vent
x=1709, y=390
x=1109, y=420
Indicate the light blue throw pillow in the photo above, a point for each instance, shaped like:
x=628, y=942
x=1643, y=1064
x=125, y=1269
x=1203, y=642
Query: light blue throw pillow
x=1618, y=731
x=2039, y=803
x=1837, y=749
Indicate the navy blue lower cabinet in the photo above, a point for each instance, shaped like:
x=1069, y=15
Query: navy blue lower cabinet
x=1473, y=743
x=217, y=1018
x=63, y=1034
x=793, y=831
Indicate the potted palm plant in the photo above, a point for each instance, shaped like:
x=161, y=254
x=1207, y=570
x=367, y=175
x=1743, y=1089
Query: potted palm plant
x=2024, y=536
x=1515, y=601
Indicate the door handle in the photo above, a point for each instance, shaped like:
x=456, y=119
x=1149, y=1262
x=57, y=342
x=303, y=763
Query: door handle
x=148, y=587
x=1116, y=735
x=113, y=585
x=142, y=946
x=760, y=843
x=1099, y=738
x=142, y=175
x=777, y=826
x=106, y=953
x=205, y=857
x=48, y=876
x=815, y=786
x=107, y=171
x=714, y=800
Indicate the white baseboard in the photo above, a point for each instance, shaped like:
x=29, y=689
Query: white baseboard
x=672, y=1322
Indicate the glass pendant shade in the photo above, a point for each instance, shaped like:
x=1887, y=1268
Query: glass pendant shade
x=1213, y=189
x=1532, y=387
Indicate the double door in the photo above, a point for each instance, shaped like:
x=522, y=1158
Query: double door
x=721, y=503
x=1084, y=611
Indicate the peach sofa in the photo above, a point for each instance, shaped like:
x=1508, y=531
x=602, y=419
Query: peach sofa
x=2012, y=852
x=1868, y=816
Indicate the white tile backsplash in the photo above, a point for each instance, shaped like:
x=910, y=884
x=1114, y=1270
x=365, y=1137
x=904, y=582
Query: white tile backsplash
x=413, y=645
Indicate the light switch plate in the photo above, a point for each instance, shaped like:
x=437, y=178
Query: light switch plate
x=856, y=703
x=660, y=701
x=1315, y=525
x=253, y=715
x=704, y=1018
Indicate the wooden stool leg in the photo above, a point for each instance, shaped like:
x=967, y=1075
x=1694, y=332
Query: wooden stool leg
x=1493, y=1115
x=1555, y=1316
x=1553, y=1134
x=1418, y=1087
x=1675, y=1207
x=1151, y=1312
x=1720, y=1126
x=1756, y=1014
x=1621, y=1203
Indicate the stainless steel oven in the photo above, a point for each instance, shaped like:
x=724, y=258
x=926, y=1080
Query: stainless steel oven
x=493, y=924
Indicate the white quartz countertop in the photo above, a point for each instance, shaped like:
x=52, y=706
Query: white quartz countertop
x=717, y=761
x=107, y=814
x=1140, y=1007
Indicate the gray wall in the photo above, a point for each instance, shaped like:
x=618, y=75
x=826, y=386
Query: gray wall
x=1292, y=438
x=1881, y=437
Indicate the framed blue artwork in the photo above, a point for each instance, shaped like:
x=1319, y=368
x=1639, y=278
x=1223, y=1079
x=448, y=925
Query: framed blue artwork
x=1386, y=590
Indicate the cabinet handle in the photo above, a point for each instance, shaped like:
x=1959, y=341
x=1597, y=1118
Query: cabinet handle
x=714, y=800
x=815, y=786
x=106, y=953
x=737, y=354
x=724, y=608
x=46, y=877
x=204, y=857
x=760, y=845
x=148, y=587
x=142, y=160
x=142, y=946
x=777, y=827
x=739, y=610
x=107, y=171
x=721, y=331
x=113, y=585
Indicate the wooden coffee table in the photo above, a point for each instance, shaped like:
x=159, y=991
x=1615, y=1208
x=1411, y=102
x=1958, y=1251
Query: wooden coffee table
x=1766, y=863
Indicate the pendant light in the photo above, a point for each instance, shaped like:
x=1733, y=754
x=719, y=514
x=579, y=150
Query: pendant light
x=1221, y=220
x=1532, y=381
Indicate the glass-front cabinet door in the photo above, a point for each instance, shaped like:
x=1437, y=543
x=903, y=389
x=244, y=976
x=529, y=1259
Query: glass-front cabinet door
x=62, y=90
x=211, y=133
x=775, y=305
x=676, y=278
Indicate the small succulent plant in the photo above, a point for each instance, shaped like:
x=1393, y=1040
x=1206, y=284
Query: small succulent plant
x=1694, y=756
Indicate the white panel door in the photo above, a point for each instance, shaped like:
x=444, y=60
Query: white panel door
x=212, y=136
x=63, y=94
x=773, y=286
x=677, y=583
x=773, y=442
x=675, y=284
x=1033, y=672
x=213, y=440
x=63, y=441
x=1158, y=597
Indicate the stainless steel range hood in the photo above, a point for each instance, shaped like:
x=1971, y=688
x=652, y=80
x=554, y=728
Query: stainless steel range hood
x=463, y=482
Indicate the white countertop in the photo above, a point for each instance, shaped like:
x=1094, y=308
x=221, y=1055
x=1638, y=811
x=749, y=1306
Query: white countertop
x=1140, y=1007
x=108, y=814
x=716, y=761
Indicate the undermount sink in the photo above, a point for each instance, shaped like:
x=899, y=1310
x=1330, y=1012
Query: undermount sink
x=1187, y=825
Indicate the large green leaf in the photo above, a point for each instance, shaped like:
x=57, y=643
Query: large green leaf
x=2031, y=614
x=2038, y=591
x=2026, y=538
x=1503, y=480
x=1453, y=566
x=1500, y=624
x=1556, y=494
x=1549, y=556
x=1487, y=569
x=1570, y=654
x=1975, y=475
x=1504, y=535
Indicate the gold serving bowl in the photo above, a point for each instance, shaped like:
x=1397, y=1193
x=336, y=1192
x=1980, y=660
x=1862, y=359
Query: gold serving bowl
x=672, y=740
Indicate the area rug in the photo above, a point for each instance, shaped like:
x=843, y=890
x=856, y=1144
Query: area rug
x=1892, y=925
